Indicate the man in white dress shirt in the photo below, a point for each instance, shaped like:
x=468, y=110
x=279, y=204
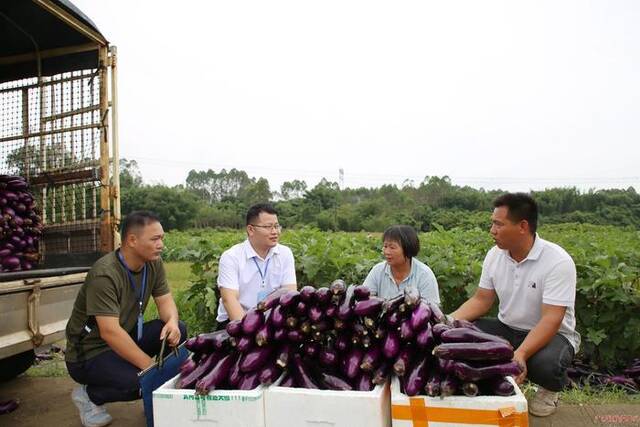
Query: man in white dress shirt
x=250, y=270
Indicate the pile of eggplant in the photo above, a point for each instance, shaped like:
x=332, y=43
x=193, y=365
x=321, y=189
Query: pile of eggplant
x=342, y=338
x=20, y=225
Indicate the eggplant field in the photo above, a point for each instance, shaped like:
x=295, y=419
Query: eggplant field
x=607, y=260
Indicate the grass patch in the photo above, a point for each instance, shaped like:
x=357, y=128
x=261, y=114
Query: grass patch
x=178, y=276
x=587, y=395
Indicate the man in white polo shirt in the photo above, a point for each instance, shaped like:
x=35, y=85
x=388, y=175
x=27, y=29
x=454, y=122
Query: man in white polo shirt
x=250, y=270
x=535, y=282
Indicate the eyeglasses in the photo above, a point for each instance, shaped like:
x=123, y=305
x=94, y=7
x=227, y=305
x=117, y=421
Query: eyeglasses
x=276, y=227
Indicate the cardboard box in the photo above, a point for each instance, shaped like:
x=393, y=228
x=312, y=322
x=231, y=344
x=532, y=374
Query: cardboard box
x=302, y=407
x=233, y=408
x=480, y=411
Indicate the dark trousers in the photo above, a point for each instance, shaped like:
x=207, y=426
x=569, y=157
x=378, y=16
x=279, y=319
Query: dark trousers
x=548, y=367
x=109, y=377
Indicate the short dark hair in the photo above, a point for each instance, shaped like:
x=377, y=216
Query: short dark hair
x=521, y=206
x=135, y=220
x=406, y=236
x=254, y=211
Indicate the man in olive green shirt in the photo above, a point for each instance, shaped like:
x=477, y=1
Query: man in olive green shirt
x=107, y=341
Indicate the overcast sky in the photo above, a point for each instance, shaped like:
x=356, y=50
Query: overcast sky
x=495, y=94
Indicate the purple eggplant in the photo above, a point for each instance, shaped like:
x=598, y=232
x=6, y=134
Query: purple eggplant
x=466, y=372
x=361, y=292
x=295, y=336
x=328, y=357
x=307, y=294
x=343, y=342
x=235, y=374
x=291, y=322
x=187, y=367
x=474, y=351
x=469, y=335
x=446, y=366
x=439, y=328
x=217, y=375
x=333, y=382
x=381, y=374
x=244, y=344
x=271, y=300
x=277, y=318
x=255, y=359
x=331, y=311
x=417, y=378
x=352, y=362
x=305, y=327
x=8, y=406
x=279, y=335
x=234, y=328
x=284, y=355
x=411, y=296
x=500, y=386
x=449, y=386
x=391, y=346
x=461, y=323
x=420, y=316
x=287, y=381
x=322, y=296
x=289, y=299
x=300, y=308
x=432, y=388
x=371, y=359
x=315, y=314
x=470, y=389
x=436, y=314
x=320, y=326
x=208, y=342
x=345, y=311
x=269, y=373
x=391, y=305
x=394, y=319
x=264, y=335
x=252, y=321
x=406, y=333
x=338, y=287
x=205, y=365
x=249, y=381
x=368, y=307
x=363, y=382
x=310, y=349
x=301, y=375
x=425, y=338
x=402, y=362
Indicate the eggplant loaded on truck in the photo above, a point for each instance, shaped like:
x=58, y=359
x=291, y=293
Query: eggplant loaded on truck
x=59, y=202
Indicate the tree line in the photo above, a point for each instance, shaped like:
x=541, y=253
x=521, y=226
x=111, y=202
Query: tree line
x=220, y=199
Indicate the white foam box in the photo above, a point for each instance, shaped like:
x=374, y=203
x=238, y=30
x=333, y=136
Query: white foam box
x=303, y=407
x=234, y=408
x=478, y=411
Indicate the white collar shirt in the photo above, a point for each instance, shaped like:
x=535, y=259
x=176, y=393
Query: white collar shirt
x=242, y=269
x=546, y=276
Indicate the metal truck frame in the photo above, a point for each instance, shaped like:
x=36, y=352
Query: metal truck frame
x=58, y=129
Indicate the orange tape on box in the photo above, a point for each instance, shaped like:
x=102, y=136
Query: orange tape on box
x=421, y=415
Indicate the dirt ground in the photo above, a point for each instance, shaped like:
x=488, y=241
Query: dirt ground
x=47, y=402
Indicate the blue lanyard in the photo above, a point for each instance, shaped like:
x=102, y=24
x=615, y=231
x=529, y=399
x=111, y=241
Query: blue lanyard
x=263, y=276
x=133, y=287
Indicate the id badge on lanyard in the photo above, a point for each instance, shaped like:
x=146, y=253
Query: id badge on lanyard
x=264, y=290
x=140, y=297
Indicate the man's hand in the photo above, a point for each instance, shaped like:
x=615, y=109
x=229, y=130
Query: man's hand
x=172, y=332
x=521, y=359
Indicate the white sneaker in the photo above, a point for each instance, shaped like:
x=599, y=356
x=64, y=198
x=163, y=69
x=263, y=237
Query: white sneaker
x=543, y=403
x=91, y=415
